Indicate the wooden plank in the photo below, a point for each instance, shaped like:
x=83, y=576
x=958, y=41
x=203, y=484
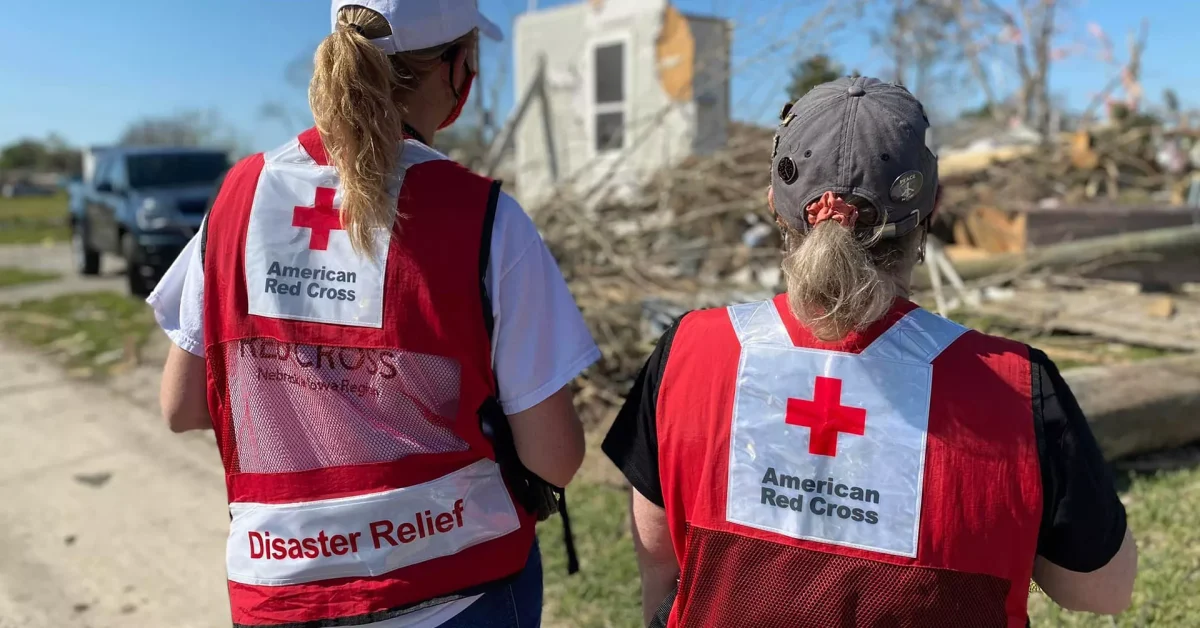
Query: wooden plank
x=958, y=253
x=1048, y=226
x=1140, y=407
x=996, y=231
x=962, y=235
x=1068, y=254
x=1115, y=314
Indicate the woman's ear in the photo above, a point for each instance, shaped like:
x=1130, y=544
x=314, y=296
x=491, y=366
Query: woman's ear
x=464, y=60
x=771, y=203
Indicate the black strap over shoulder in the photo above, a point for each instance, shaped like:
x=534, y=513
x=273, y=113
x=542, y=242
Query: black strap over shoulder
x=485, y=255
x=663, y=615
x=203, y=238
x=208, y=212
x=538, y=496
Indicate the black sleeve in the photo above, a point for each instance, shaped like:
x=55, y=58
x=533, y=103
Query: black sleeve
x=1083, y=520
x=632, y=441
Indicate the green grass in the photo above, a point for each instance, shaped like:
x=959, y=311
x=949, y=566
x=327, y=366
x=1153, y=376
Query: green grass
x=91, y=333
x=606, y=592
x=1164, y=514
x=33, y=220
x=18, y=276
x=1163, y=511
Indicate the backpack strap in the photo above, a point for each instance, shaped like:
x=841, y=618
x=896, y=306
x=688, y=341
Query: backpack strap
x=489, y=321
x=208, y=212
x=485, y=254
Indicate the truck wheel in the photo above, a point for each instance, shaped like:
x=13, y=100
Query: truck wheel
x=87, y=259
x=139, y=283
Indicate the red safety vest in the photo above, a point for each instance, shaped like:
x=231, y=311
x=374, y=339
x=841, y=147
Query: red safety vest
x=889, y=480
x=344, y=392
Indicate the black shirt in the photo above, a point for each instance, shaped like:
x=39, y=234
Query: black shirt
x=1083, y=520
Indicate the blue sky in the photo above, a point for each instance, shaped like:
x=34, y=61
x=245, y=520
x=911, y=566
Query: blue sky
x=90, y=67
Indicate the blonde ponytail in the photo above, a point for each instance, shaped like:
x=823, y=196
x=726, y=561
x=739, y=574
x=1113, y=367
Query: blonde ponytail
x=352, y=96
x=838, y=283
x=355, y=97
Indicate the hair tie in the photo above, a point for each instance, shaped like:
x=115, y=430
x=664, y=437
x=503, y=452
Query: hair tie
x=358, y=29
x=830, y=207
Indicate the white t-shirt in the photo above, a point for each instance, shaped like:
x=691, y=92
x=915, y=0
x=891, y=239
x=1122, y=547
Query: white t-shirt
x=540, y=341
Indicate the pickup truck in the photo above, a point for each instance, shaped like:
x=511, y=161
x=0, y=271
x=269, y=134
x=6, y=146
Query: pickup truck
x=144, y=205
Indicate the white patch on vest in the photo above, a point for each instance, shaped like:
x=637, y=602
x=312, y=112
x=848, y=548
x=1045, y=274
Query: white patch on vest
x=368, y=535
x=859, y=485
x=299, y=262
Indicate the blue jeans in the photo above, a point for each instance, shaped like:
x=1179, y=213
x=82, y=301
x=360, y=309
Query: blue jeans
x=517, y=604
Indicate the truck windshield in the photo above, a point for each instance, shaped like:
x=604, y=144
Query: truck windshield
x=167, y=170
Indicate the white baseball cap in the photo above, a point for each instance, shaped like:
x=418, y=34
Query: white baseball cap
x=419, y=24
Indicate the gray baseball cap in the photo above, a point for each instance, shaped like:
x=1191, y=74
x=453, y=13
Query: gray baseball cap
x=856, y=136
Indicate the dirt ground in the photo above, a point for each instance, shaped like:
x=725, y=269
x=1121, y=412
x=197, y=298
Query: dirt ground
x=55, y=258
x=109, y=519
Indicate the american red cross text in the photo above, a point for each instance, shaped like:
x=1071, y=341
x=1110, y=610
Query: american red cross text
x=322, y=218
x=826, y=417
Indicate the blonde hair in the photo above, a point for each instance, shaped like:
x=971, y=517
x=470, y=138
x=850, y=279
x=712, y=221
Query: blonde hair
x=355, y=100
x=840, y=280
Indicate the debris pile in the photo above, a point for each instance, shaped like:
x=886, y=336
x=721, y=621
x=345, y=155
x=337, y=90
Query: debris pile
x=990, y=195
x=697, y=234
x=1131, y=162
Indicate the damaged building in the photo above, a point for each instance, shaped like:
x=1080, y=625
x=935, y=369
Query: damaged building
x=631, y=87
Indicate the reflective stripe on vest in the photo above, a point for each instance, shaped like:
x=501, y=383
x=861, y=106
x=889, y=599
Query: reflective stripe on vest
x=368, y=535
x=828, y=446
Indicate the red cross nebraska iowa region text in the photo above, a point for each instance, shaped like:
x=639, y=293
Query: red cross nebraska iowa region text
x=322, y=218
x=826, y=417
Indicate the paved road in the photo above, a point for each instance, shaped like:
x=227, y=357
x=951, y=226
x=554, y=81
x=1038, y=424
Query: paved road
x=108, y=519
x=56, y=258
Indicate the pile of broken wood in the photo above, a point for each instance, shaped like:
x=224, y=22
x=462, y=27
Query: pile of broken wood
x=700, y=236
x=1128, y=176
x=1133, y=355
x=697, y=235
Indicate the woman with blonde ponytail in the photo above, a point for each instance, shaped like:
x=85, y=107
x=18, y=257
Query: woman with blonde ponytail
x=383, y=346
x=838, y=456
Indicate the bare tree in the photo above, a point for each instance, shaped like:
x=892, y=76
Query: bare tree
x=972, y=43
x=918, y=37
x=811, y=72
x=190, y=128
x=1029, y=32
x=293, y=117
x=1126, y=74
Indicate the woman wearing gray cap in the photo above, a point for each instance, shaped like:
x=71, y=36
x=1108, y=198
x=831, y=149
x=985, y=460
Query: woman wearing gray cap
x=383, y=345
x=837, y=456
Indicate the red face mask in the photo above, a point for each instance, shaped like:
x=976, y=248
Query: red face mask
x=460, y=98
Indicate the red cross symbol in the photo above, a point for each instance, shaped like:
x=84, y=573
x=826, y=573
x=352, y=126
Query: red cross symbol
x=322, y=218
x=826, y=417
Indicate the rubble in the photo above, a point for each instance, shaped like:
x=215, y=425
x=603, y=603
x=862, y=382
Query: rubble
x=699, y=235
x=1130, y=176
